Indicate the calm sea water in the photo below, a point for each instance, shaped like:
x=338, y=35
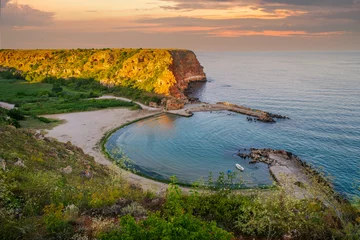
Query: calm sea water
x=320, y=92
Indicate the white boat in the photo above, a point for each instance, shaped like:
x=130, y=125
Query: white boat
x=238, y=166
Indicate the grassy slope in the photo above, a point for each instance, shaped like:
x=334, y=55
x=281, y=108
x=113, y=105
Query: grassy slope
x=38, y=98
x=40, y=201
x=147, y=70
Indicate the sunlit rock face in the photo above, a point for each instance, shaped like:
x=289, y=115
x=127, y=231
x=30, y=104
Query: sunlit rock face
x=186, y=68
x=160, y=71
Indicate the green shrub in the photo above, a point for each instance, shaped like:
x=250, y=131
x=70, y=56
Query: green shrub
x=55, y=223
x=180, y=227
x=57, y=88
x=16, y=114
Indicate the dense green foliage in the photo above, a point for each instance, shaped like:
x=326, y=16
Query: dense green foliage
x=52, y=190
x=65, y=106
x=53, y=97
x=95, y=88
x=143, y=69
x=10, y=117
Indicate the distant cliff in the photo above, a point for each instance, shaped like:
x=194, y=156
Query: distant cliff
x=161, y=71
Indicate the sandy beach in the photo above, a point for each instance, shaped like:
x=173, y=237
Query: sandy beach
x=86, y=129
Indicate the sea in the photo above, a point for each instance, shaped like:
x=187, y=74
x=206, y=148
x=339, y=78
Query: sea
x=318, y=91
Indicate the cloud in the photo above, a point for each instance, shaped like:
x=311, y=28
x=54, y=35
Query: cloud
x=189, y=5
x=328, y=3
x=21, y=15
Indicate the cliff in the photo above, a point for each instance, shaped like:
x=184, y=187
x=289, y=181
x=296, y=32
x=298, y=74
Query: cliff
x=161, y=71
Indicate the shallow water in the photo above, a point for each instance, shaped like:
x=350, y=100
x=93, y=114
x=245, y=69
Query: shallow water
x=320, y=92
x=189, y=148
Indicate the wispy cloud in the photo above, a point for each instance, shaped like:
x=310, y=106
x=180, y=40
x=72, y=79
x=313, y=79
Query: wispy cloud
x=21, y=15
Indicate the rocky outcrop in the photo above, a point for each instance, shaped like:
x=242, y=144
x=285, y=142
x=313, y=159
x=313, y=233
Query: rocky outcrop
x=288, y=170
x=186, y=68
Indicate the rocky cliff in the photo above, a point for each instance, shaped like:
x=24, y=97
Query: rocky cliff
x=186, y=68
x=166, y=72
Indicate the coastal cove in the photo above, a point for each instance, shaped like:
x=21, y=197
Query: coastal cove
x=316, y=131
x=166, y=145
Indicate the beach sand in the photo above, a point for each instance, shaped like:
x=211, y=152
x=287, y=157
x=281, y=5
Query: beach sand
x=86, y=129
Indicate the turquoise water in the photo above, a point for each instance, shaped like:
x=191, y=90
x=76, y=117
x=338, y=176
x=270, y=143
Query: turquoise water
x=320, y=92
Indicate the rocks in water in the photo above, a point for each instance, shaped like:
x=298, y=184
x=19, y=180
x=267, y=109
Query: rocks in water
x=243, y=155
x=20, y=163
x=278, y=116
x=266, y=118
x=251, y=119
x=67, y=170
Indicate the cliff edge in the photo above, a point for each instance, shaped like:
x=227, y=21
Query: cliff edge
x=161, y=71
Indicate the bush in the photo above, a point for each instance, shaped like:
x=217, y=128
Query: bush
x=180, y=227
x=16, y=114
x=57, y=88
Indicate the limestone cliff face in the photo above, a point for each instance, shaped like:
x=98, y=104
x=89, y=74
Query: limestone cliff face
x=161, y=71
x=186, y=68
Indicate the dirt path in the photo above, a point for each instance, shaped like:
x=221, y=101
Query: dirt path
x=129, y=100
x=7, y=105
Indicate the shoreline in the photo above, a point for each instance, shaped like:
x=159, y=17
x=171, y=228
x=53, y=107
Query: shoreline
x=103, y=123
x=87, y=129
x=92, y=140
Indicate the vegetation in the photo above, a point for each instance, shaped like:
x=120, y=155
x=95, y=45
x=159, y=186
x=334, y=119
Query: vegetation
x=50, y=98
x=64, y=106
x=143, y=69
x=52, y=190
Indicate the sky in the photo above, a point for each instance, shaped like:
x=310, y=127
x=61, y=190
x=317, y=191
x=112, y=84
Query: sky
x=205, y=25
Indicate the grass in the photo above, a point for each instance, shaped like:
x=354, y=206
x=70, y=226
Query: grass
x=40, y=200
x=17, y=91
x=66, y=106
x=34, y=123
x=40, y=99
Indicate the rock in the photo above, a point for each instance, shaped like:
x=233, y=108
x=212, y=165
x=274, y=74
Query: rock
x=243, y=155
x=71, y=212
x=153, y=105
x=70, y=152
x=3, y=164
x=87, y=173
x=39, y=136
x=174, y=104
x=135, y=186
x=20, y=163
x=67, y=170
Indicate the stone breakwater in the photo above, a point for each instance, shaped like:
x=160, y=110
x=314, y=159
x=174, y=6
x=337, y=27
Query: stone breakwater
x=289, y=171
x=258, y=115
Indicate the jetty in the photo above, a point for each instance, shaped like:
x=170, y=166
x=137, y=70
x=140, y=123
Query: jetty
x=296, y=176
x=258, y=115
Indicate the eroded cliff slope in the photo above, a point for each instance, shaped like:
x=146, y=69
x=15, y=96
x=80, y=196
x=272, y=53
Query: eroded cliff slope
x=161, y=71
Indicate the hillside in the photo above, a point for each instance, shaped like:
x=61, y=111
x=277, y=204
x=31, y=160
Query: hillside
x=160, y=71
x=52, y=190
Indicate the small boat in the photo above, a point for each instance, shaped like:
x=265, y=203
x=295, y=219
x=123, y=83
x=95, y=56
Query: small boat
x=238, y=166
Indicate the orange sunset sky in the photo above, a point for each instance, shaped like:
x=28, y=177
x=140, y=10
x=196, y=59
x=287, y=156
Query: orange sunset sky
x=207, y=25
